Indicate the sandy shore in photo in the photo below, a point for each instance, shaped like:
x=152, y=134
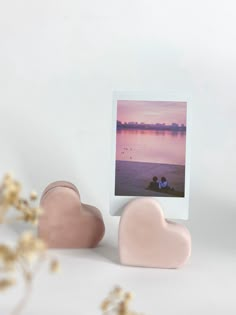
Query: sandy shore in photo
x=133, y=177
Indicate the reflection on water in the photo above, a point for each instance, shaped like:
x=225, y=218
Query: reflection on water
x=151, y=146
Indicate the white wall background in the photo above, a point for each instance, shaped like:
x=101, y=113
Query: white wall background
x=60, y=61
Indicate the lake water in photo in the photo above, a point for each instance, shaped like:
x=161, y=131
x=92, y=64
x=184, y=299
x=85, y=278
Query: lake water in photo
x=151, y=146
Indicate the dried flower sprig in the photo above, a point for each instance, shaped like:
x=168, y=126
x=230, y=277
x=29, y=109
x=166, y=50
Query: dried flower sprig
x=118, y=303
x=10, y=197
x=30, y=251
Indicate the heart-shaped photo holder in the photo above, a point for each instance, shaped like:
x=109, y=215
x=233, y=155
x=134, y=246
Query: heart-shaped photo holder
x=66, y=221
x=147, y=239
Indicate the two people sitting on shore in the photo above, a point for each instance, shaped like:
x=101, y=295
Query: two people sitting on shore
x=162, y=184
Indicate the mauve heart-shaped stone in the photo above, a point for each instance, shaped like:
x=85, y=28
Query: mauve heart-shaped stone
x=66, y=222
x=146, y=239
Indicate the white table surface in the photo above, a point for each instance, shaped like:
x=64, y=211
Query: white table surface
x=206, y=285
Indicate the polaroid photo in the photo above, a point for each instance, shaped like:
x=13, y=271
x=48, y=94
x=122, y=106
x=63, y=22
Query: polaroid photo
x=150, y=152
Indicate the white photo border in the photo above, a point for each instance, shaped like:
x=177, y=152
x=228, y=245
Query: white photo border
x=173, y=207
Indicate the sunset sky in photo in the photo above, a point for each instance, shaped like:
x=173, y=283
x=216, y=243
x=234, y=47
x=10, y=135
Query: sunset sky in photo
x=151, y=112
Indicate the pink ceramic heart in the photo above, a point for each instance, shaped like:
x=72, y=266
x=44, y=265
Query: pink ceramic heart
x=66, y=222
x=146, y=239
